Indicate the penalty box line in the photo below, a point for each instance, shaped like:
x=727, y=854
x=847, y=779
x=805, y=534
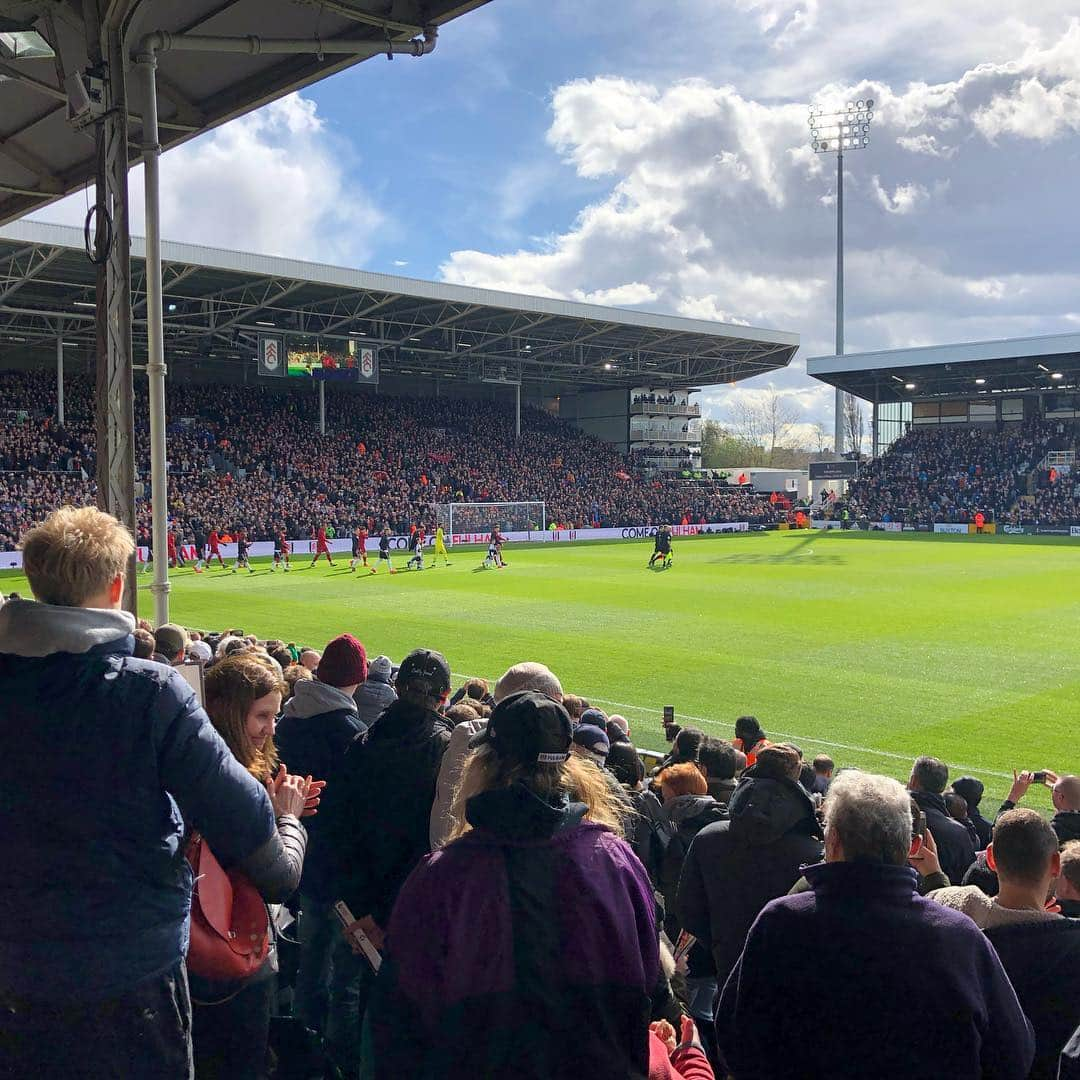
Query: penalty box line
x=779, y=734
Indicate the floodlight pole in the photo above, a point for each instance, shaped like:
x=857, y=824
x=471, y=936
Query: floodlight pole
x=838, y=432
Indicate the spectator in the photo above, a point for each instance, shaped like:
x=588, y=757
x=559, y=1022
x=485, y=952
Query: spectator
x=1067, y=890
x=827, y=978
x=971, y=791
x=376, y=694
x=94, y=927
x=1065, y=796
x=749, y=737
x=591, y=742
x=575, y=706
x=571, y=961
x=625, y=764
x=310, y=658
x=378, y=825
x=200, y=651
x=318, y=724
x=231, y=1020
x=526, y=676
x=294, y=674
x=720, y=761
x=734, y=867
x=172, y=642
x=957, y=808
x=823, y=773
x=618, y=729
x=1039, y=949
x=956, y=849
x=143, y=648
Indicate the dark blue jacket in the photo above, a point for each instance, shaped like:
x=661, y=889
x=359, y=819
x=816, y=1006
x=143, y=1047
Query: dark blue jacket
x=318, y=725
x=862, y=977
x=102, y=755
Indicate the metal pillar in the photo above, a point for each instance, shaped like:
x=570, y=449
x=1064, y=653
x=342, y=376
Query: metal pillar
x=60, y=373
x=838, y=432
x=517, y=410
x=114, y=397
x=146, y=67
x=322, y=407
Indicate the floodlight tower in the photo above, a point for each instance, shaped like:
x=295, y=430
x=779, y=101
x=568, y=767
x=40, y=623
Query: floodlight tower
x=833, y=133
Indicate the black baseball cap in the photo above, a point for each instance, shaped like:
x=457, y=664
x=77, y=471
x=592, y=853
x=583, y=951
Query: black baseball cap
x=529, y=727
x=425, y=665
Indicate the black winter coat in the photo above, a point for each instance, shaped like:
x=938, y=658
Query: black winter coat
x=1042, y=960
x=378, y=807
x=956, y=849
x=735, y=867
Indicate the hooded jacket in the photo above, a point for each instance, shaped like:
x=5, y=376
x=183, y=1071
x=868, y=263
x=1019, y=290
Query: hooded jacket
x=562, y=981
x=956, y=848
x=373, y=698
x=908, y=988
x=378, y=807
x=103, y=753
x=734, y=867
x=1042, y=960
x=317, y=727
x=687, y=815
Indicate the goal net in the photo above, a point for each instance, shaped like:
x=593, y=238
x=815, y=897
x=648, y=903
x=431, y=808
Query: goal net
x=458, y=518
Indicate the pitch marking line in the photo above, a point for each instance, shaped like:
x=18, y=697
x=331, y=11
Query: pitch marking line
x=781, y=734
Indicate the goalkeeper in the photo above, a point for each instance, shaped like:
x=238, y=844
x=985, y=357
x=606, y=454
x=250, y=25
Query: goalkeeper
x=662, y=546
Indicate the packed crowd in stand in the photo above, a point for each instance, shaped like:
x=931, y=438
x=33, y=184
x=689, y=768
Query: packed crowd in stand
x=525, y=895
x=948, y=474
x=253, y=458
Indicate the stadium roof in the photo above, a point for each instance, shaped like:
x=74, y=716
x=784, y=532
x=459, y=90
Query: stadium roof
x=42, y=157
x=1011, y=366
x=217, y=303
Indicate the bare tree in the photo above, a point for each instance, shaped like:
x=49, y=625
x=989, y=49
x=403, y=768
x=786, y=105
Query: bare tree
x=767, y=423
x=854, y=423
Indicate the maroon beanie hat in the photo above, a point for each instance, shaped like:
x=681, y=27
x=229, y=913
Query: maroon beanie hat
x=343, y=663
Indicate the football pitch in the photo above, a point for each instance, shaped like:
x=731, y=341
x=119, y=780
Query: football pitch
x=871, y=648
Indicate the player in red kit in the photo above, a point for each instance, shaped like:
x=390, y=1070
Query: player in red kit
x=282, y=551
x=359, y=550
x=322, y=547
x=214, y=541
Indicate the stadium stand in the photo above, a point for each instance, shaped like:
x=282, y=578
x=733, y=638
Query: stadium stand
x=947, y=474
x=253, y=458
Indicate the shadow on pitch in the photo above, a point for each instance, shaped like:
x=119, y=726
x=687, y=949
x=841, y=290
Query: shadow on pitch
x=748, y=559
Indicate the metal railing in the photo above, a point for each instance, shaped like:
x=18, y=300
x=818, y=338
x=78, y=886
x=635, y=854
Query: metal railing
x=642, y=408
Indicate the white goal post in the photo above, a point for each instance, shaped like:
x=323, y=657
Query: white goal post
x=476, y=518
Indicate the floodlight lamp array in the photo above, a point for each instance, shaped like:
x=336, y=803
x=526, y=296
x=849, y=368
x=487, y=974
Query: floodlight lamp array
x=835, y=132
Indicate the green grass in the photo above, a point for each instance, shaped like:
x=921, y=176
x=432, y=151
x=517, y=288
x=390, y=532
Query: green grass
x=873, y=648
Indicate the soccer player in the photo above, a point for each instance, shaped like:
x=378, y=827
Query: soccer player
x=662, y=546
x=359, y=550
x=242, y=547
x=384, y=549
x=440, y=547
x=282, y=550
x=171, y=542
x=321, y=545
x=215, y=548
x=495, y=543
x=416, y=546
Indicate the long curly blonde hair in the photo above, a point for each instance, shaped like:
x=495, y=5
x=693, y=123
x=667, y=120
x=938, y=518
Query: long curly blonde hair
x=582, y=781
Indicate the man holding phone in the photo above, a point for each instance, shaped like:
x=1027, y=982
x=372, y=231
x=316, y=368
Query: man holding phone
x=1065, y=797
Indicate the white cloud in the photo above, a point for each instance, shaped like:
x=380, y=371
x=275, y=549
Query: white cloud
x=904, y=198
x=634, y=292
x=274, y=181
x=716, y=207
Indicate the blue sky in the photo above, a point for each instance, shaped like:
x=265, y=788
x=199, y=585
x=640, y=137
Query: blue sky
x=657, y=157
